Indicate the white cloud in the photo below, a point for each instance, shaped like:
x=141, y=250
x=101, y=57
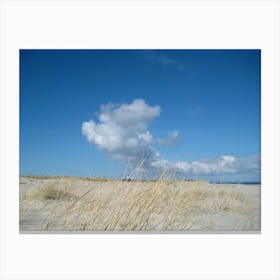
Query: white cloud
x=195, y=112
x=220, y=165
x=122, y=131
x=121, y=127
x=170, y=140
x=226, y=165
x=164, y=59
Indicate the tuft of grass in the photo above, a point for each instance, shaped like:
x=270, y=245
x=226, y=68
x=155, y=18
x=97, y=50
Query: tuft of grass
x=52, y=192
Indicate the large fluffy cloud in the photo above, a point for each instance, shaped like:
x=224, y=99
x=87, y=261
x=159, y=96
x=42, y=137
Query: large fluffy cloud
x=122, y=131
x=122, y=128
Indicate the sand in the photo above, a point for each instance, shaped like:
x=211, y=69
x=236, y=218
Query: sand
x=69, y=204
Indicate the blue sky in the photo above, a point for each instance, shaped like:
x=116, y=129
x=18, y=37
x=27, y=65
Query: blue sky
x=207, y=101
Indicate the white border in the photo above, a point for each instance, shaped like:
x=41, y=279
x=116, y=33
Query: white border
x=135, y=24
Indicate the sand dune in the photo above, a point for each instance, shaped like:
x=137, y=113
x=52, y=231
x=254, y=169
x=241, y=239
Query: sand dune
x=76, y=204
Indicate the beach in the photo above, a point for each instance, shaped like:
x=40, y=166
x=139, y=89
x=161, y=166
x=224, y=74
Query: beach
x=72, y=204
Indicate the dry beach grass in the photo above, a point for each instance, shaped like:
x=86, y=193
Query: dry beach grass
x=77, y=204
